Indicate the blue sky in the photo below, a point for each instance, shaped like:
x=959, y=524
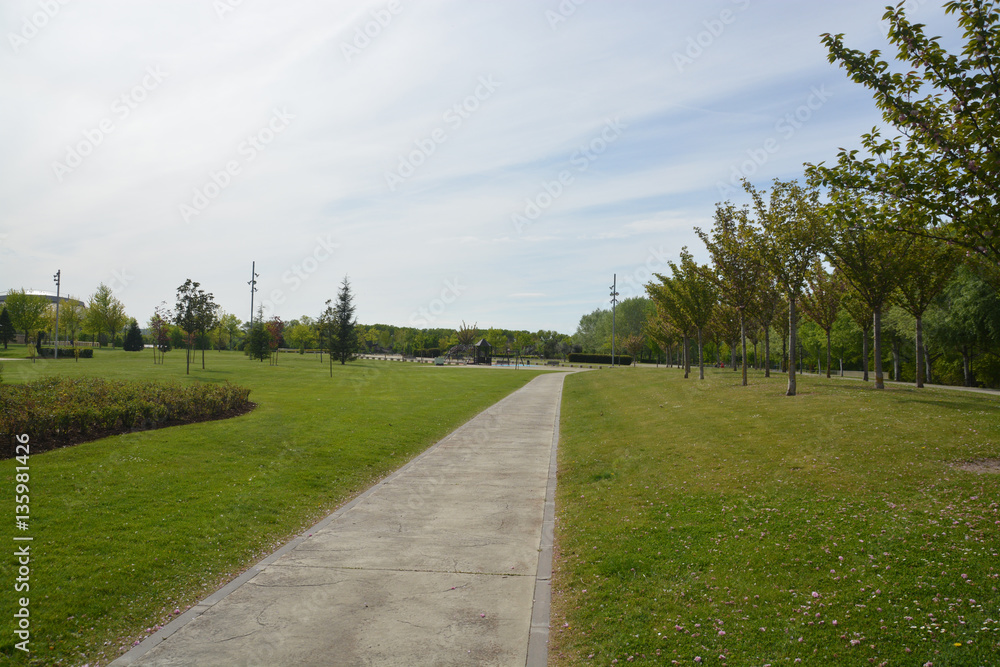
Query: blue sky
x=492, y=162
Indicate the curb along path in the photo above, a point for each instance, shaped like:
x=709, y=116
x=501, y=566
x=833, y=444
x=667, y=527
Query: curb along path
x=439, y=564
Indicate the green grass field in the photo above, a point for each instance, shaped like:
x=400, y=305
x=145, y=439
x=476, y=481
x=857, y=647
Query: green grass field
x=705, y=522
x=131, y=528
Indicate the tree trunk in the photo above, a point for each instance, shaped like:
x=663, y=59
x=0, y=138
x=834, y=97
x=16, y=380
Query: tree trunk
x=864, y=354
x=743, y=338
x=701, y=358
x=927, y=363
x=896, y=360
x=829, y=357
x=187, y=355
x=686, y=361
x=202, y=357
x=918, y=370
x=967, y=366
x=877, y=339
x=767, y=352
x=792, y=336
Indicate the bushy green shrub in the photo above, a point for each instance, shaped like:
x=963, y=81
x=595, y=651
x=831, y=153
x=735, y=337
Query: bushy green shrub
x=67, y=352
x=60, y=411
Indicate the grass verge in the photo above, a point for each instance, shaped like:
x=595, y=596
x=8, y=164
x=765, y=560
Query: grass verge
x=129, y=530
x=709, y=523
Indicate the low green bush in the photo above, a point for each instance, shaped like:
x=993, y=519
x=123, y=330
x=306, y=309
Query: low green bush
x=67, y=353
x=60, y=411
x=582, y=358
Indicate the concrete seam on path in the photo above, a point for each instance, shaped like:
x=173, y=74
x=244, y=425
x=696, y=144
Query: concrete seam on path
x=151, y=642
x=538, y=637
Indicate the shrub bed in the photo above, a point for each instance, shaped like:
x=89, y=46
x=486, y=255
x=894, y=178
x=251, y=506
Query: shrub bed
x=57, y=412
x=581, y=358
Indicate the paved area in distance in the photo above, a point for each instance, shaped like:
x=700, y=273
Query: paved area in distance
x=438, y=564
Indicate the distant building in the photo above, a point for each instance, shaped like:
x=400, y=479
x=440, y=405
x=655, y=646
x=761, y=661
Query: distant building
x=51, y=296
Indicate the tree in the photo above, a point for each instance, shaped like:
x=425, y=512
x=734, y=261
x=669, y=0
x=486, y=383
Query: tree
x=258, y=340
x=822, y=302
x=105, y=314
x=7, y=331
x=633, y=344
x=133, y=338
x=928, y=268
x=862, y=314
x=275, y=336
x=793, y=235
x=302, y=336
x=159, y=326
x=467, y=335
x=229, y=325
x=869, y=255
x=71, y=315
x=738, y=266
x=971, y=320
x=195, y=313
x=26, y=311
x=947, y=109
x=665, y=295
x=342, y=325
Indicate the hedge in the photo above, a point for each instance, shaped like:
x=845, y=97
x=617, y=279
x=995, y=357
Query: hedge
x=432, y=352
x=581, y=358
x=56, y=412
x=67, y=352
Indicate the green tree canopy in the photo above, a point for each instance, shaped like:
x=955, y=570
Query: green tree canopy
x=946, y=108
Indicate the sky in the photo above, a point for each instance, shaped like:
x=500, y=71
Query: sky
x=494, y=163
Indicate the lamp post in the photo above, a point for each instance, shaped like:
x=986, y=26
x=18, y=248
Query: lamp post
x=614, y=301
x=57, y=278
x=253, y=287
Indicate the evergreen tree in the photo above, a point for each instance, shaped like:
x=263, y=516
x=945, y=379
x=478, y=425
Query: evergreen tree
x=6, y=328
x=342, y=330
x=133, y=338
x=258, y=344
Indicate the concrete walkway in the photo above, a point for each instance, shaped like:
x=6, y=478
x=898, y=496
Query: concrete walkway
x=442, y=563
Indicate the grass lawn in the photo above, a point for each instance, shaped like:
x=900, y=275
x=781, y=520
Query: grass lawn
x=705, y=522
x=131, y=528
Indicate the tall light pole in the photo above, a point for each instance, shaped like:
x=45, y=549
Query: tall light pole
x=253, y=287
x=58, y=280
x=614, y=302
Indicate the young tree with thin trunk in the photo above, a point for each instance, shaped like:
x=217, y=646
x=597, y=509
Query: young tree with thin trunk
x=26, y=311
x=928, y=267
x=793, y=234
x=822, y=302
x=870, y=256
x=692, y=291
x=738, y=267
x=861, y=313
x=105, y=313
x=670, y=307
